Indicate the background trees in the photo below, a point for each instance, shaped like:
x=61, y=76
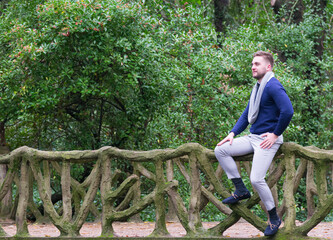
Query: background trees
x=156, y=73
x=82, y=74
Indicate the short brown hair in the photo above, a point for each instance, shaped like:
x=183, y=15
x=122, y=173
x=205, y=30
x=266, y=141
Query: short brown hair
x=266, y=55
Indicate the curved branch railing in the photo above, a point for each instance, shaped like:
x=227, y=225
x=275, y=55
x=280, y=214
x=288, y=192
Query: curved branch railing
x=190, y=159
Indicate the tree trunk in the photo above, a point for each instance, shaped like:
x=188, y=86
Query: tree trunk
x=319, y=7
x=220, y=10
x=294, y=10
x=314, y=107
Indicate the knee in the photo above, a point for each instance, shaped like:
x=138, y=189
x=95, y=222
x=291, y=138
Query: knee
x=256, y=182
x=217, y=150
x=220, y=151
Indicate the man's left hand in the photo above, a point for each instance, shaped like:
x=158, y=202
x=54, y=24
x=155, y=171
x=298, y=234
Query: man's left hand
x=269, y=140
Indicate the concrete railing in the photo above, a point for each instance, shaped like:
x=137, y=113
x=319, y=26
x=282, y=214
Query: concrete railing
x=27, y=166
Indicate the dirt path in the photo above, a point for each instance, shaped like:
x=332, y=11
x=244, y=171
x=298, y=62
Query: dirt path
x=124, y=229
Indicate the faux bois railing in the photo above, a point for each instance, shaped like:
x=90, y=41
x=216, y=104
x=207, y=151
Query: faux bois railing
x=27, y=166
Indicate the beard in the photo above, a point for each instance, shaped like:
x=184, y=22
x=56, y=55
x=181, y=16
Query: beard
x=259, y=75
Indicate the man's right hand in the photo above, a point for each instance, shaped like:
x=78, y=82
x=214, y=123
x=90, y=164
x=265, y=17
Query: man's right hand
x=229, y=138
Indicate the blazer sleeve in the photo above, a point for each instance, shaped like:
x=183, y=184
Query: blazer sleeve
x=283, y=103
x=242, y=122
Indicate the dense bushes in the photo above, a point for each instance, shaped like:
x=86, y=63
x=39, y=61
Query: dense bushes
x=77, y=74
x=83, y=74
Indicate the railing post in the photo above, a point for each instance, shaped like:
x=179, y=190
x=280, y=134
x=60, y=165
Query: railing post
x=6, y=201
x=6, y=186
x=136, y=193
x=21, y=214
x=47, y=178
x=311, y=189
x=321, y=173
x=160, y=225
x=107, y=229
x=171, y=215
x=289, y=192
x=66, y=191
x=194, y=207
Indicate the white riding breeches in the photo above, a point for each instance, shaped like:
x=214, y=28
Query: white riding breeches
x=262, y=159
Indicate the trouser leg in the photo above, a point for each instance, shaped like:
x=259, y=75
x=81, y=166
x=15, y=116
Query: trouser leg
x=224, y=153
x=262, y=159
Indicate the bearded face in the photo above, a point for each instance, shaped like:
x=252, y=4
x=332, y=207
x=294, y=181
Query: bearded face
x=260, y=66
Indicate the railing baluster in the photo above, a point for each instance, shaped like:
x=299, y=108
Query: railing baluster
x=289, y=223
x=171, y=215
x=321, y=172
x=136, y=192
x=107, y=229
x=194, y=207
x=47, y=177
x=311, y=189
x=21, y=223
x=66, y=191
x=160, y=225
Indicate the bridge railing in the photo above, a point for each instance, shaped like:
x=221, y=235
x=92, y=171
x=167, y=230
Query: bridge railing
x=28, y=167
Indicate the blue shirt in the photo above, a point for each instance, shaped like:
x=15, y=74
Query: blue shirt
x=275, y=111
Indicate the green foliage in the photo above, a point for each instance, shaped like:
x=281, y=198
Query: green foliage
x=211, y=214
x=82, y=59
x=300, y=199
x=152, y=74
x=83, y=75
x=148, y=214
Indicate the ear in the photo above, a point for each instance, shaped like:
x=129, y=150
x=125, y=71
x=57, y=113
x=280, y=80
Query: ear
x=269, y=67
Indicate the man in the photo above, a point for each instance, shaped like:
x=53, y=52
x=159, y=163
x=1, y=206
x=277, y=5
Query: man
x=269, y=111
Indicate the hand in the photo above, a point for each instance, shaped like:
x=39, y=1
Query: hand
x=229, y=138
x=269, y=140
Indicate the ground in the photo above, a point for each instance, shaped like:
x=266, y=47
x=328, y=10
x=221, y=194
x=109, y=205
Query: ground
x=128, y=229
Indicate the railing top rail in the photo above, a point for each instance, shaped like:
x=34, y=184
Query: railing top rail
x=190, y=159
x=310, y=153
